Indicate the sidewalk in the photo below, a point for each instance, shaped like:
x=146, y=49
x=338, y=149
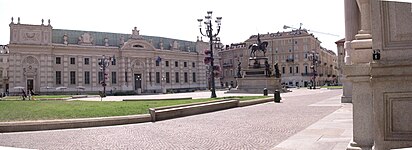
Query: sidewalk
x=333, y=132
x=199, y=94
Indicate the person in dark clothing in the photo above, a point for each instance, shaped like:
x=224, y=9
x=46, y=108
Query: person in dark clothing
x=23, y=94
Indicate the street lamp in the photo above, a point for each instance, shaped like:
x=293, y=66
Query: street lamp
x=4, y=49
x=210, y=35
x=104, y=62
x=314, y=57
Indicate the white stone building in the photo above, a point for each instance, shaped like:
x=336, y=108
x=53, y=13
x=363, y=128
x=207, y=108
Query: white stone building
x=291, y=50
x=41, y=59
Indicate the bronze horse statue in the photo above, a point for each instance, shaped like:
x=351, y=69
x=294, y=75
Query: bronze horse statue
x=258, y=46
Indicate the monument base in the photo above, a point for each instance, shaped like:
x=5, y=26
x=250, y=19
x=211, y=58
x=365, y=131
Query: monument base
x=256, y=85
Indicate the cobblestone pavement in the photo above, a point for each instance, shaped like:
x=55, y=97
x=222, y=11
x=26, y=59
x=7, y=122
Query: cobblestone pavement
x=260, y=126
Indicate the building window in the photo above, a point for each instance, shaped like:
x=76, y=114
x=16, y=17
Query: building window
x=157, y=63
x=194, y=76
x=125, y=76
x=72, y=77
x=86, y=61
x=114, y=77
x=72, y=60
x=184, y=64
x=167, y=63
x=177, y=77
x=167, y=77
x=58, y=77
x=150, y=77
x=157, y=77
x=306, y=69
x=176, y=64
x=100, y=77
x=185, y=77
x=86, y=77
x=283, y=70
x=58, y=60
x=290, y=69
x=113, y=61
x=193, y=64
x=297, y=69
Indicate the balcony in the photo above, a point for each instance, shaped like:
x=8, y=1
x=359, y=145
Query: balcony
x=290, y=60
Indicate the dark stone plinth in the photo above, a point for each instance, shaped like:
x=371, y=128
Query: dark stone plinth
x=257, y=62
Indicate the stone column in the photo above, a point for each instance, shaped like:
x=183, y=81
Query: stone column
x=364, y=7
x=357, y=71
x=363, y=44
x=351, y=29
x=362, y=113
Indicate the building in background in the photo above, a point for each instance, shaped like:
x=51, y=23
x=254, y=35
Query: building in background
x=41, y=59
x=341, y=58
x=291, y=50
x=231, y=57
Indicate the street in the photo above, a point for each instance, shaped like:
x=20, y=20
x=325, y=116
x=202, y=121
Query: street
x=261, y=126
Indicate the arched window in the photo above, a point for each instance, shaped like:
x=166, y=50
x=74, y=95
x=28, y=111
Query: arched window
x=138, y=46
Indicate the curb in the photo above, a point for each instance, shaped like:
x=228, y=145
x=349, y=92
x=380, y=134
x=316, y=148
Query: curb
x=71, y=123
x=163, y=113
x=175, y=111
x=254, y=102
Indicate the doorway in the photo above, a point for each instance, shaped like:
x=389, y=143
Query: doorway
x=30, y=85
x=137, y=81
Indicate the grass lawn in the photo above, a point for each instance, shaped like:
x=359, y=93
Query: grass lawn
x=332, y=87
x=37, y=97
x=48, y=110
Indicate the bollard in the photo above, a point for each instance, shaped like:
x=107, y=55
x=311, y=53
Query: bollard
x=277, y=97
x=265, y=92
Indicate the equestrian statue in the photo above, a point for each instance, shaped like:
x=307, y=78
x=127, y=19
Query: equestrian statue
x=258, y=46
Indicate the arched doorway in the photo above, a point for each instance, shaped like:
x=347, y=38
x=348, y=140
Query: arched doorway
x=138, y=69
x=30, y=67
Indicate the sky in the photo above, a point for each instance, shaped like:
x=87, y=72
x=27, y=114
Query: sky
x=178, y=18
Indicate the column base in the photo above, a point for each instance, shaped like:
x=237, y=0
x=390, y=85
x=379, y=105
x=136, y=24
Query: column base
x=354, y=146
x=346, y=99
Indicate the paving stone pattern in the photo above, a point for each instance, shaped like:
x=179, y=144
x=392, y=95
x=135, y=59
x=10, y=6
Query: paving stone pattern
x=261, y=126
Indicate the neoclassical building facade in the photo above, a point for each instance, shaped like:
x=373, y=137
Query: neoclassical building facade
x=291, y=50
x=42, y=59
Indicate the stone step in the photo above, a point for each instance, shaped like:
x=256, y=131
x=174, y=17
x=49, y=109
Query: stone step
x=162, y=113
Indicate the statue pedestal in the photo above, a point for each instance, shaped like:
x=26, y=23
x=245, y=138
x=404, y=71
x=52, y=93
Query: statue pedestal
x=255, y=79
x=256, y=85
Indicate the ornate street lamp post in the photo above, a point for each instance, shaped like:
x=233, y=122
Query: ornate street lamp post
x=210, y=35
x=314, y=57
x=104, y=62
x=4, y=49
